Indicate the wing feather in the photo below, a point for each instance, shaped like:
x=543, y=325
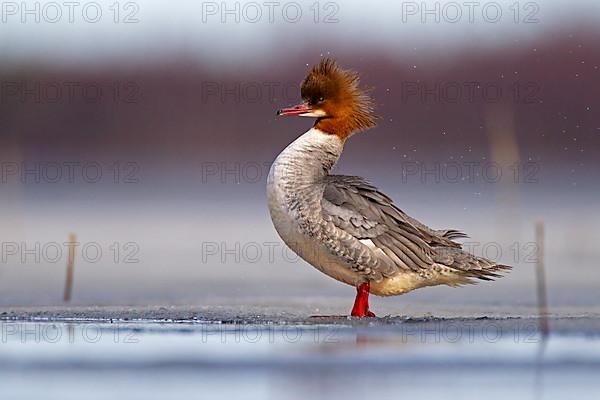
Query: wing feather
x=386, y=239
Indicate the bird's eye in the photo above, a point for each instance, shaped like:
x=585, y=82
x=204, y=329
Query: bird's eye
x=321, y=98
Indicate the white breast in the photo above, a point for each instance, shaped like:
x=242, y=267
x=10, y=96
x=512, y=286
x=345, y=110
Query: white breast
x=306, y=160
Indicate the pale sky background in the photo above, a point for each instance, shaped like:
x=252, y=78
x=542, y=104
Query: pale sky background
x=178, y=27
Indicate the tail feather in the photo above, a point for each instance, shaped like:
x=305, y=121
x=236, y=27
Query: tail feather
x=453, y=234
x=468, y=265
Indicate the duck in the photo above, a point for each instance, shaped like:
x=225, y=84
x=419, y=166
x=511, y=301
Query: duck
x=343, y=225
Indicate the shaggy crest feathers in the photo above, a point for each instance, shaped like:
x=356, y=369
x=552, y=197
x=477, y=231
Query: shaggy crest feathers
x=349, y=107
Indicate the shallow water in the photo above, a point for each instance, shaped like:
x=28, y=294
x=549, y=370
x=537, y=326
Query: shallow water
x=295, y=356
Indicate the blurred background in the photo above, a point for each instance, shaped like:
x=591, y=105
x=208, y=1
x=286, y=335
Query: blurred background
x=147, y=129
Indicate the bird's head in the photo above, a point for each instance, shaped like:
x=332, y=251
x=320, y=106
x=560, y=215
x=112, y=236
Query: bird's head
x=332, y=95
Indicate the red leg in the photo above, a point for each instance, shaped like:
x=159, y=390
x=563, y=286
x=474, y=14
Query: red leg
x=361, y=303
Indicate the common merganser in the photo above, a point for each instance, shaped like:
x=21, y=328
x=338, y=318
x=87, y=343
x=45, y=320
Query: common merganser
x=344, y=226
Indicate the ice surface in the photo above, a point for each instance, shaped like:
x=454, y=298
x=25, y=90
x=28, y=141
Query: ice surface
x=281, y=352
